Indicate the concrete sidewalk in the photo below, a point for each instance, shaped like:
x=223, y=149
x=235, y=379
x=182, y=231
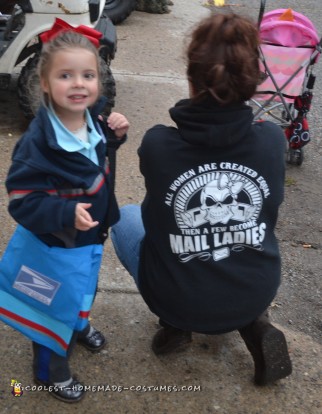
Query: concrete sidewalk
x=215, y=374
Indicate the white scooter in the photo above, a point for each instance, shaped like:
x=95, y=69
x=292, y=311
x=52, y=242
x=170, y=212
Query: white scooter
x=20, y=43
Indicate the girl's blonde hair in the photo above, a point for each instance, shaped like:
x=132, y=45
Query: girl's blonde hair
x=65, y=40
x=223, y=59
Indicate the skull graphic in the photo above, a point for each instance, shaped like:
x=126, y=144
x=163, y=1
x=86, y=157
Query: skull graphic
x=218, y=197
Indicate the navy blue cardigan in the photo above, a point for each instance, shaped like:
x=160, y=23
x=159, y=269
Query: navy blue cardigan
x=45, y=183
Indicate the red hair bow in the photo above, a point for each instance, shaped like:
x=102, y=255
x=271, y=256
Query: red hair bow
x=60, y=26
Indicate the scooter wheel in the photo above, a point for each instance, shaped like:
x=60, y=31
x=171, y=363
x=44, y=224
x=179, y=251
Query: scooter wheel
x=29, y=88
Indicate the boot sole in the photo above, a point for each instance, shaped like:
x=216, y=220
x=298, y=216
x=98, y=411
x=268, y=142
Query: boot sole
x=176, y=345
x=277, y=363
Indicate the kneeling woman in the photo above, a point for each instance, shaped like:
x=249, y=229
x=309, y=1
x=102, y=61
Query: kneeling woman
x=202, y=248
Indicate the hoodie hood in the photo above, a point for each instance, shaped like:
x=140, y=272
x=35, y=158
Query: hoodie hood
x=211, y=125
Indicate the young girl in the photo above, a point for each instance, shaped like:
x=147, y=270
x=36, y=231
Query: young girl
x=58, y=183
x=205, y=256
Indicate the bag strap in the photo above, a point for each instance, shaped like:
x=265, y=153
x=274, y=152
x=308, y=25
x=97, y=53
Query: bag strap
x=112, y=143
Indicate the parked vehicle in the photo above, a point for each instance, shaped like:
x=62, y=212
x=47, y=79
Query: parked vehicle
x=119, y=10
x=23, y=21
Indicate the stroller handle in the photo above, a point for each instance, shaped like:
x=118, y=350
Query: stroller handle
x=261, y=12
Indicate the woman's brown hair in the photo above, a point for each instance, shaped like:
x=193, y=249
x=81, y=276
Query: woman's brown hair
x=223, y=59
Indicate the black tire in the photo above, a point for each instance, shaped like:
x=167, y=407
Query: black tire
x=29, y=88
x=108, y=86
x=295, y=156
x=29, y=93
x=118, y=10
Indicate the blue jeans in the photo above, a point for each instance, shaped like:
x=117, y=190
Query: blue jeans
x=127, y=235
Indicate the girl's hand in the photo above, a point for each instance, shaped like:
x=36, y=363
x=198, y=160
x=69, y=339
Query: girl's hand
x=118, y=123
x=83, y=220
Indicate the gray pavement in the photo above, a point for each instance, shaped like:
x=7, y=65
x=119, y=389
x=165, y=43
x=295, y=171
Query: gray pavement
x=215, y=374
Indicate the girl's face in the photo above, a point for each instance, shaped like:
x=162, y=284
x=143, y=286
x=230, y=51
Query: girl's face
x=72, y=81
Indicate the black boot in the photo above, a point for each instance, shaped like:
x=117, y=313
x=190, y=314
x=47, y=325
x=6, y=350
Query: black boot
x=169, y=339
x=268, y=348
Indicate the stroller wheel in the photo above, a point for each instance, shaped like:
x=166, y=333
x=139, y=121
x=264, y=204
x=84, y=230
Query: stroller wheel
x=295, y=156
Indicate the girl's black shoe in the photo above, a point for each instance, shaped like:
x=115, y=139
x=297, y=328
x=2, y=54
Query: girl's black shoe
x=70, y=393
x=94, y=340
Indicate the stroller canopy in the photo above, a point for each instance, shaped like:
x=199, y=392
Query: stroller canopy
x=286, y=27
x=288, y=41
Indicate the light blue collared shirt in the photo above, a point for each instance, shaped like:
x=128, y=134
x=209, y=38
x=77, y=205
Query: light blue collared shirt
x=69, y=142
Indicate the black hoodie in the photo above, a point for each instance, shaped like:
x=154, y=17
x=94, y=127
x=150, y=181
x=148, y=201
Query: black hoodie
x=210, y=260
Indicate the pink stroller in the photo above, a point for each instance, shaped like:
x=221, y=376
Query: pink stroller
x=290, y=48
